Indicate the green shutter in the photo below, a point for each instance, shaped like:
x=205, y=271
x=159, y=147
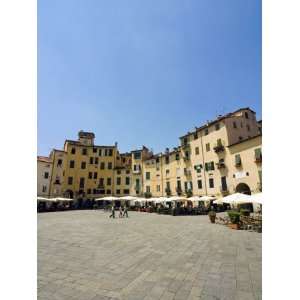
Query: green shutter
x=212, y=166
x=237, y=159
x=257, y=153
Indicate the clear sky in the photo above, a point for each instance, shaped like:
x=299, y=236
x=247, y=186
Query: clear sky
x=143, y=72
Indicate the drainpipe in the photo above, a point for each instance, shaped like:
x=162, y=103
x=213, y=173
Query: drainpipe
x=203, y=165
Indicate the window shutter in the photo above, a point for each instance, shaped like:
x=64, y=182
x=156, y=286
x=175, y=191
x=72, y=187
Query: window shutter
x=257, y=153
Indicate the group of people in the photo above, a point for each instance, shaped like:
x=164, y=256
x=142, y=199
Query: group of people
x=123, y=211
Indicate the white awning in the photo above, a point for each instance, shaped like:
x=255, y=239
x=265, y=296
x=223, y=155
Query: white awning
x=237, y=198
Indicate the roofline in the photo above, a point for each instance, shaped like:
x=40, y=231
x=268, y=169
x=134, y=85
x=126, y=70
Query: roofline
x=93, y=146
x=228, y=115
x=248, y=139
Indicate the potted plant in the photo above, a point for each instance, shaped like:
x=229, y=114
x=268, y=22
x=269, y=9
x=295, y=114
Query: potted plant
x=245, y=212
x=234, y=219
x=212, y=216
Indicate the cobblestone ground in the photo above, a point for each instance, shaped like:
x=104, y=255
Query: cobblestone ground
x=85, y=255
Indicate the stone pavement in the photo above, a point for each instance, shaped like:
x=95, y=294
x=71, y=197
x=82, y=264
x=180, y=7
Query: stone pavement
x=84, y=255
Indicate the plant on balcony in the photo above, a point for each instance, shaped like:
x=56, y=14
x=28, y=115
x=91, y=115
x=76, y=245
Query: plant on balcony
x=189, y=193
x=179, y=191
x=147, y=195
x=168, y=191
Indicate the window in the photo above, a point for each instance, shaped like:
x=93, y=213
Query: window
x=101, y=182
x=126, y=192
x=207, y=146
x=195, y=136
x=234, y=125
x=81, y=183
x=84, y=151
x=211, y=183
x=168, y=185
x=95, y=175
x=127, y=171
x=240, y=138
x=70, y=180
x=44, y=188
x=105, y=152
x=158, y=188
x=109, y=166
x=198, y=168
x=102, y=165
x=185, y=141
x=118, y=180
x=199, y=184
x=100, y=152
x=110, y=152
x=91, y=160
x=147, y=175
x=72, y=164
x=148, y=190
x=238, y=160
x=185, y=186
x=83, y=165
x=248, y=127
x=137, y=155
x=73, y=150
x=217, y=126
x=59, y=162
x=118, y=192
x=127, y=180
x=157, y=160
x=191, y=185
x=210, y=166
x=96, y=160
x=167, y=160
x=258, y=155
x=46, y=175
x=89, y=191
x=94, y=150
x=197, y=150
x=101, y=192
x=246, y=115
x=206, y=131
x=108, y=181
x=118, y=171
x=90, y=175
x=108, y=192
x=167, y=172
x=223, y=183
x=177, y=156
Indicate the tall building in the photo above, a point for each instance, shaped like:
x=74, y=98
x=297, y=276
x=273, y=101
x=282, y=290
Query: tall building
x=220, y=157
x=44, y=171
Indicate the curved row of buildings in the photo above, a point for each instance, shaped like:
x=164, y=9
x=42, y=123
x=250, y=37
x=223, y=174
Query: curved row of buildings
x=221, y=157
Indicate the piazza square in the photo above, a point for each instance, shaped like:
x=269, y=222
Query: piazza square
x=84, y=254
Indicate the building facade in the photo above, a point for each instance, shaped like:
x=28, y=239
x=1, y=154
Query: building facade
x=221, y=157
x=44, y=171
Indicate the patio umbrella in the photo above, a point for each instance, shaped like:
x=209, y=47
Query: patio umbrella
x=218, y=201
x=207, y=198
x=237, y=198
x=63, y=199
x=129, y=198
x=42, y=199
x=108, y=198
x=257, y=198
x=194, y=198
x=176, y=198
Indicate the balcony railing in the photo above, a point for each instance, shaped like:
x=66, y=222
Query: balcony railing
x=224, y=190
x=258, y=159
x=219, y=147
x=221, y=165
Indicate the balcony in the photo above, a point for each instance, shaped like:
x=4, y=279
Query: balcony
x=136, y=172
x=185, y=145
x=221, y=165
x=258, y=159
x=219, y=147
x=224, y=190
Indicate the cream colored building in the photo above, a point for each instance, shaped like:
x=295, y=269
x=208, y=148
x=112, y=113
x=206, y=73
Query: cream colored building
x=203, y=164
x=44, y=171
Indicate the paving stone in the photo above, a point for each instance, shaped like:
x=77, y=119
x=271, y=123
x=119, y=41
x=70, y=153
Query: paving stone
x=86, y=255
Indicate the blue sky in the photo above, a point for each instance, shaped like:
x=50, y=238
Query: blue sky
x=143, y=72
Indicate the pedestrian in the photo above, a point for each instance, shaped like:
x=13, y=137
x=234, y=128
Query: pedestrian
x=125, y=212
x=112, y=212
x=120, y=212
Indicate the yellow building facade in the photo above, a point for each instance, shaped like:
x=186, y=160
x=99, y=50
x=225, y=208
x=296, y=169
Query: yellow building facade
x=220, y=157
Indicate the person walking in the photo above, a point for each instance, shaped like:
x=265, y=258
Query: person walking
x=112, y=212
x=125, y=211
x=120, y=212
